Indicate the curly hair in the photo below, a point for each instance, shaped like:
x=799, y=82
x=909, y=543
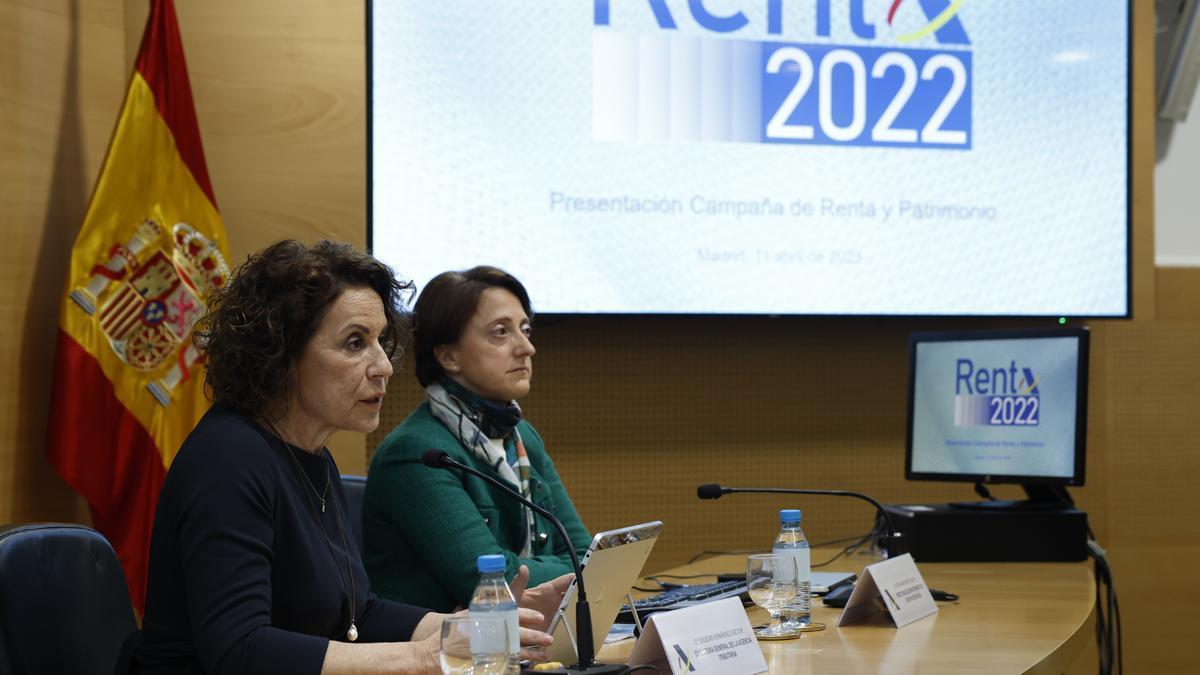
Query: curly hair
x=258, y=325
x=445, y=308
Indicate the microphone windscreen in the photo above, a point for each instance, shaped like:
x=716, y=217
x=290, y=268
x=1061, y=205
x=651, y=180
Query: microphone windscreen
x=709, y=491
x=434, y=458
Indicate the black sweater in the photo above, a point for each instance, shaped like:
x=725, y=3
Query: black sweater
x=241, y=576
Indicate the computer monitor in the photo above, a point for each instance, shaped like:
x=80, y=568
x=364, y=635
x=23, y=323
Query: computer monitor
x=1000, y=407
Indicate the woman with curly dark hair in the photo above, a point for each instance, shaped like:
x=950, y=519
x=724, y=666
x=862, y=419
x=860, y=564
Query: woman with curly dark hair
x=253, y=567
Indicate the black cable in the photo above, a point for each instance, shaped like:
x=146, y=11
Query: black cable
x=1113, y=646
x=858, y=540
x=839, y=554
x=1116, y=611
x=1114, y=643
x=873, y=534
x=643, y=666
x=1108, y=644
x=662, y=586
x=1108, y=614
x=833, y=542
x=1101, y=632
x=656, y=577
x=1109, y=647
x=703, y=553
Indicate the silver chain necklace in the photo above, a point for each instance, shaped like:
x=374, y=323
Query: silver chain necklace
x=352, y=631
x=320, y=495
x=328, y=481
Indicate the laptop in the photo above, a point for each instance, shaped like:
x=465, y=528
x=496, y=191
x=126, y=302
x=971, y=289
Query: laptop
x=612, y=564
x=823, y=582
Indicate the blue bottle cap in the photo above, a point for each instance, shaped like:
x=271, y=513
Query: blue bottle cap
x=490, y=564
x=789, y=515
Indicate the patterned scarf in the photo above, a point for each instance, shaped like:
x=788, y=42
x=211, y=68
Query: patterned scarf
x=473, y=420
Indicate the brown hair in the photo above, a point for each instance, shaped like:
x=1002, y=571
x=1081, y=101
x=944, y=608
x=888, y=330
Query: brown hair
x=445, y=308
x=258, y=325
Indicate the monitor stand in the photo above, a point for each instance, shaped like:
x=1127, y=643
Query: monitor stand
x=1041, y=498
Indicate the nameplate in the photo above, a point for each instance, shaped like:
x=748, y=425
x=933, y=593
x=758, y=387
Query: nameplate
x=715, y=637
x=894, y=586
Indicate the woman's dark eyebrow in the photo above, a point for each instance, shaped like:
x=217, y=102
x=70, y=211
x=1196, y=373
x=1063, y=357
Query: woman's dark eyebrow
x=355, y=327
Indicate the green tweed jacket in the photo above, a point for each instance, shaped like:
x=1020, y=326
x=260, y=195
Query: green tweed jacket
x=423, y=528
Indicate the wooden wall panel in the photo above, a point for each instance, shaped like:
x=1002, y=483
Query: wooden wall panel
x=1153, y=464
x=1155, y=446
x=1176, y=292
x=1141, y=179
x=62, y=80
x=1158, y=612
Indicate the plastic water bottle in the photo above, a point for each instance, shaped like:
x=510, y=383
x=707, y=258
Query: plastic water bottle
x=493, y=596
x=791, y=540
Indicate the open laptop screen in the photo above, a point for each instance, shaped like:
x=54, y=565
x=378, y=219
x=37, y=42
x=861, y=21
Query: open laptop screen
x=611, y=566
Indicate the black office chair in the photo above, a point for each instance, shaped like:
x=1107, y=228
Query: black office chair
x=355, y=488
x=64, y=605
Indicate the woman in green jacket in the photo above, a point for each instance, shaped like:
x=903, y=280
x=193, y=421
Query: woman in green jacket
x=424, y=528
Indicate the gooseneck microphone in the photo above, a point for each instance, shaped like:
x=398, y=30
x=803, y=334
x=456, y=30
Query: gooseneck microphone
x=584, y=645
x=895, y=545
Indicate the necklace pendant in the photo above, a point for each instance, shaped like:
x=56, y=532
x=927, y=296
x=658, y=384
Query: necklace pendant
x=352, y=632
x=322, y=506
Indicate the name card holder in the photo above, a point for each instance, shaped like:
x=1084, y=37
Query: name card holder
x=894, y=586
x=714, y=638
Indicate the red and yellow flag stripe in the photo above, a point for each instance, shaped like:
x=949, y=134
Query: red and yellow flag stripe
x=128, y=382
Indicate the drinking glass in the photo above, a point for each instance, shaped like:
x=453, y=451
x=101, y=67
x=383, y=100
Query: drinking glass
x=476, y=644
x=771, y=580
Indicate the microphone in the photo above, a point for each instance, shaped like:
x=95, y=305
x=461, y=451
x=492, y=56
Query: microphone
x=895, y=545
x=584, y=645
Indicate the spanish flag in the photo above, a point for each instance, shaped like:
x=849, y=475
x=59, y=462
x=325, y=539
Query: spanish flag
x=128, y=384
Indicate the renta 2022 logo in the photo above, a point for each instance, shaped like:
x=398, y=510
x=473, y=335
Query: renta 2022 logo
x=909, y=86
x=998, y=396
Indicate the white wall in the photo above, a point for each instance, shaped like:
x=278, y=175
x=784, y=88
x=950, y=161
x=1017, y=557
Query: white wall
x=1177, y=192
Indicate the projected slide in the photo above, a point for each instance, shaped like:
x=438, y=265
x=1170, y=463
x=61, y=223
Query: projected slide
x=909, y=157
x=1000, y=408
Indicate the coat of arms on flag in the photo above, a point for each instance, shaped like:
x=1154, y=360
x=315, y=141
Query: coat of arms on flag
x=151, y=291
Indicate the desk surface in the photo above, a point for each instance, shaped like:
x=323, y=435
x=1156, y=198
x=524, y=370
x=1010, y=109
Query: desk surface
x=1011, y=618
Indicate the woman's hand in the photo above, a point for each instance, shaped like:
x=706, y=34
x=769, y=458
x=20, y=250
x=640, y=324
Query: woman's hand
x=544, y=598
x=534, y=638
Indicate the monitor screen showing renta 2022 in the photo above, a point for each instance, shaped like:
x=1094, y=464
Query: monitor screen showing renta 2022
x=813, y=157
x=999, y=407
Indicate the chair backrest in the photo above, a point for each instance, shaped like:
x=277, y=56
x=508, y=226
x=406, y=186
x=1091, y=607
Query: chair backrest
x=355, y=488
x=64, y=605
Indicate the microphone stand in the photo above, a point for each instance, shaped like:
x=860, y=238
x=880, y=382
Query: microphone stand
x=584, y=644
x=895, y=543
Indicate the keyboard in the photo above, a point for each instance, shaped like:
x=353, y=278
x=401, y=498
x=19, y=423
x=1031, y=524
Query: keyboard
x=684, y=596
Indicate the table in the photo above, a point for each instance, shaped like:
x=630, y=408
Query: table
x=1010, y=618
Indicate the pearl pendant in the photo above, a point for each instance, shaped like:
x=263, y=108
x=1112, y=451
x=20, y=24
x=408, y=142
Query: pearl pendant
x=352, y=633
